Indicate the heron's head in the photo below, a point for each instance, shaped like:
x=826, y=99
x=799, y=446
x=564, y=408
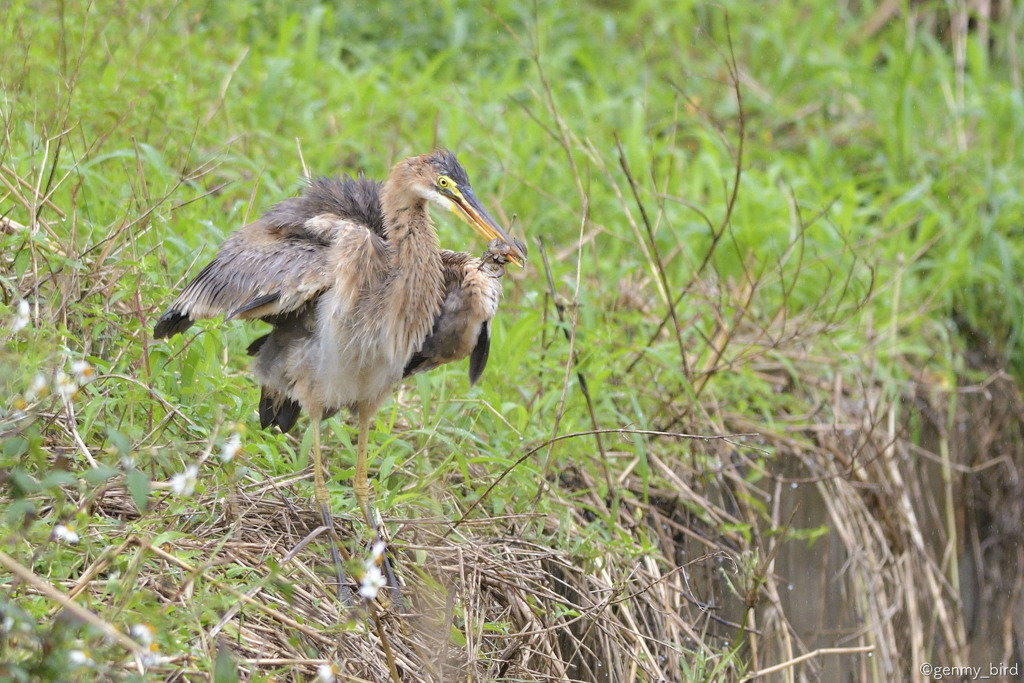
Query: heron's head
x=440, y=179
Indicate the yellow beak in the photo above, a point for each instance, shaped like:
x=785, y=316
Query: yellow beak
x=466, y=206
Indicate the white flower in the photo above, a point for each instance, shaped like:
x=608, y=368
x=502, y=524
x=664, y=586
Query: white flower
x=373, y=580
x=64, y=386
x=143, y=633
x=65, y=533
x=326, y=673
x=151, y=657
x=82, y=371
x=371, y=583
x=184, y=484
x=80, y=658
x=231, y=447
x=37, y=388
x=22, y=318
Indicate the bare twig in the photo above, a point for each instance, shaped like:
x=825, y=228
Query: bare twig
x=46, y=588
x=820, y=652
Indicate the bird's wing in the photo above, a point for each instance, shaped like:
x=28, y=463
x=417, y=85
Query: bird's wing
x=478, y=359
x=462, y=328
x=453, y=267
x=428, y=357
x=266, y=268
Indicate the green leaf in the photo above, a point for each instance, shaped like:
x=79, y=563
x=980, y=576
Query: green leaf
x=121, y=442
x=19, y=512
x=224, y=670
x=100, y=474
x=457, y=637
x=138, y=487
x=15, y=446
x=22, y=482
x=59, y=478
x=168, y=537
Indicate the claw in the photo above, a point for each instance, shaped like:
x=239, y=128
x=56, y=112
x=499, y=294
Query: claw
x=394, y=589
x=344, y=592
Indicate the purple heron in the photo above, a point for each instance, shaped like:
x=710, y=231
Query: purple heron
x=359, y=295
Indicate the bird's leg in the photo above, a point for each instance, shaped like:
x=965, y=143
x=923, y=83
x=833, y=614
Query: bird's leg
x=323, y=498
x=319, y=485
x=361, y=488
x=360, y=480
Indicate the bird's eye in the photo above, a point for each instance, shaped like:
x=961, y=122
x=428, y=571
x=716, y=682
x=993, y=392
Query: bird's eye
x=444, y=182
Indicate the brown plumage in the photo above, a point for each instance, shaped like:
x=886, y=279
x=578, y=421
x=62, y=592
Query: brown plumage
x=463, y=327
x=359, y=295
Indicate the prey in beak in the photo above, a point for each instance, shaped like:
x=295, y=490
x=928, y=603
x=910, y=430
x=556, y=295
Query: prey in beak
x=466, y=206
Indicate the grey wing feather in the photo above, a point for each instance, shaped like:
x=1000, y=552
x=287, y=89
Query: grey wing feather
x=478, y=359
x=462, y=328
x=260, y=270
x=255, y=302
x=453, y=266
x=280, y=262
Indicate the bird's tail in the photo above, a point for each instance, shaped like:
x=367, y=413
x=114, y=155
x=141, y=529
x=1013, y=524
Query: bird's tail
x=278, y=410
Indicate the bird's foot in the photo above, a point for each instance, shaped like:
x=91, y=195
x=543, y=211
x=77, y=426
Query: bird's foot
x=394, y=590
x=344, y=593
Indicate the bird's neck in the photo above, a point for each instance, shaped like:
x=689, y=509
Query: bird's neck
x=415, y=285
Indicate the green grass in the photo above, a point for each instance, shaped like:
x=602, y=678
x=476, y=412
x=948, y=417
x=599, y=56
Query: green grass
x=874, y=242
